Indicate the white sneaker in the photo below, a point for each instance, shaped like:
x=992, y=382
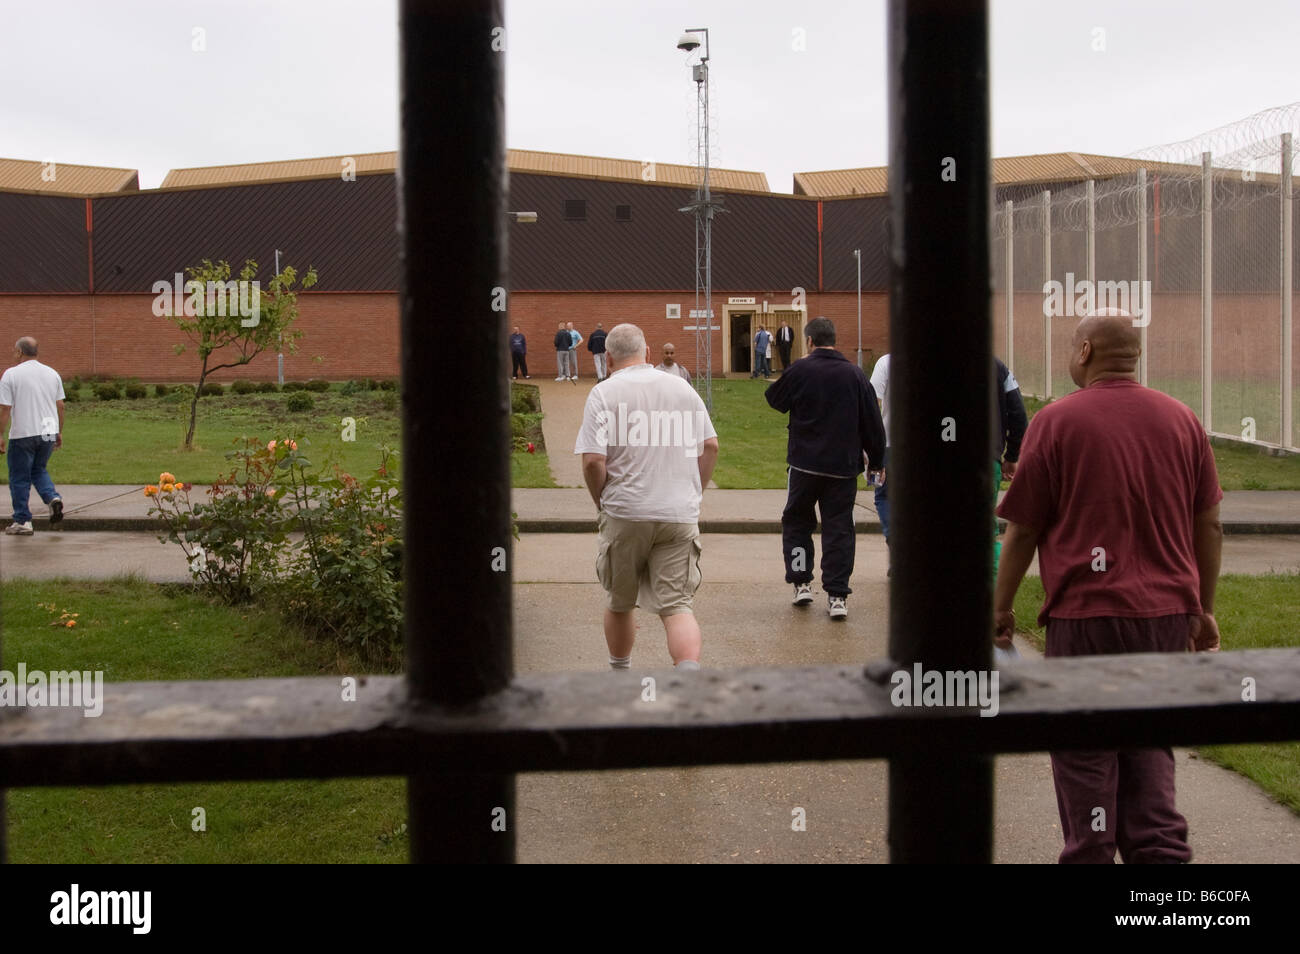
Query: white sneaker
x=802, y=594
x=16, y=529
x=835, y=606
x=559, y=379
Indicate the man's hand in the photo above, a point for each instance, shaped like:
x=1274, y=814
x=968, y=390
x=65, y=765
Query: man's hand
x=1008, y=469
x=1004, y=627
x=1204, y=637
x=2, y=445
x=58, y=441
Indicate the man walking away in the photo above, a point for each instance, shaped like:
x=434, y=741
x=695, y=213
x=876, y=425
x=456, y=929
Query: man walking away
x=647, y=491
x=784, y=342
x=1009, y=432
x=761, y=364
x=1117, y=490
x=834, y=421
x=575, y=339
x=596, y=345
x=880, y=383
x=671, y=365
x=31, y=397
x=563, y=342
x=518, y=354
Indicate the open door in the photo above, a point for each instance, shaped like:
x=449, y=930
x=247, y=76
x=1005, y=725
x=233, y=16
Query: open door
x=742, y=341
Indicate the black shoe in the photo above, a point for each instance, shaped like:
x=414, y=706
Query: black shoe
x=56, y=510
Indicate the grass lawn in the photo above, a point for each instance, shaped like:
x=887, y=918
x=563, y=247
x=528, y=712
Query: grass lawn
x=131, y=442
x=133, y=630
x=1254, y=612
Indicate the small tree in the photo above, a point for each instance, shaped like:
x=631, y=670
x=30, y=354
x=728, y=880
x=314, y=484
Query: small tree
x=238, y=318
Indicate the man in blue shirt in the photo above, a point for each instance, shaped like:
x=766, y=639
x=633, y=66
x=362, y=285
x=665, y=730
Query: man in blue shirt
x=518, y=354
x=762, y=363
x=576, y=339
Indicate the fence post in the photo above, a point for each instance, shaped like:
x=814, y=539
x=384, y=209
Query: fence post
x=1288, y=438
x=451, y=223
x=1142, y=273
x=941, y=465
x=1091, y=247
x=1047, y=277
x=1207, y=288
x=1009, y=282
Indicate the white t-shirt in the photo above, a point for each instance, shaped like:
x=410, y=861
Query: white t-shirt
x=31, y=389
x=649, y=425
x=880, y=382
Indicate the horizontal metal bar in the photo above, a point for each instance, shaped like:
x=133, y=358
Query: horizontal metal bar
x=302, y=728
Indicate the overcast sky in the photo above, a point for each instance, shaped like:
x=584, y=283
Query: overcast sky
x=119, y=83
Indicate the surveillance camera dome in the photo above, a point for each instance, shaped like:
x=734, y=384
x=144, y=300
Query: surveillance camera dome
x=688, y=42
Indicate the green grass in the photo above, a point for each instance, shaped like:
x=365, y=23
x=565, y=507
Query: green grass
x=751, y=437
x=134, y=630
x=1253, y=612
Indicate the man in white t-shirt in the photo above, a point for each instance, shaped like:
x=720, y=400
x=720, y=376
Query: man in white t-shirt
x=880, y=384
x=648, y=449
x=31, y=399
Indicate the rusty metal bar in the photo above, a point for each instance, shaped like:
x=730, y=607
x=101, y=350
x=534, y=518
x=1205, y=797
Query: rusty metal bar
x=941, y=601
x=300, y=728
x=455, y=422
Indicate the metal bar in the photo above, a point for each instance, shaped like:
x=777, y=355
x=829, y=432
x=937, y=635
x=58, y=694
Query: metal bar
x=300, y=728
x=1009, y=282
x=1207, y=291
x=1147, y=298
x=941, y=468
x=1288, y=437
x=1091, y=263
x=1047, y=277
x=452, y=225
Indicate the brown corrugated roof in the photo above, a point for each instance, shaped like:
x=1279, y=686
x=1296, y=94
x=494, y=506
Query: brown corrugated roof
x=26, y=175
x=1047, y=167
x=518, y=160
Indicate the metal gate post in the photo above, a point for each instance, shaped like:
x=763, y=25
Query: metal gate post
x=941, y=602
x=455, y=423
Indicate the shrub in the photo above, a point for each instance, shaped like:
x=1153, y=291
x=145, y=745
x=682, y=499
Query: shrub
x=72, y=397
x=268, y=387
x=212, y=388
x=135, y=391
x=293, y=386
x=300, y=401
x=243, y=387
x=388, y=384
x=161, y=390
x=72, y=384
x=317, y=384
x=524, y=401
x=388, y=402
x=372, y=384
x=352, y=387
x=182, y=393
x=107, y=392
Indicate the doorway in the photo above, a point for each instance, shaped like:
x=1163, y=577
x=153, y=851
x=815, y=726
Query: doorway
x=742, y=345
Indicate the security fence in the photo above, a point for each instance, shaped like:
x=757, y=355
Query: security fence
x=1198, y=246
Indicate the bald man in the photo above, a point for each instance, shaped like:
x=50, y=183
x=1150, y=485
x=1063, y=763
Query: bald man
x=31, y=400
x=1117, y=490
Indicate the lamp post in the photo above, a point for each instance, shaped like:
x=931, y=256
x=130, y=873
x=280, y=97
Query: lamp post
x=279, y=358
x=857, y=253
x=703, y=207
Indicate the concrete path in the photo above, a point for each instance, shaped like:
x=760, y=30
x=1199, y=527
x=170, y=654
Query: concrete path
x=120, y=507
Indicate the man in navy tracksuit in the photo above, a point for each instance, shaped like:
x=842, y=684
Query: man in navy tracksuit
x=834, y=423
x=1011, y=425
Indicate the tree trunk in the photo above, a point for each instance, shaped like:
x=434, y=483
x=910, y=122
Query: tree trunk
x=194, y=408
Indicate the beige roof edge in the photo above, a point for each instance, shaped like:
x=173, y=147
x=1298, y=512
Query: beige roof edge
x=125, y=179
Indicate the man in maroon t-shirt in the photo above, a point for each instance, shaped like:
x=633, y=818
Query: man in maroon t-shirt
x=1117, y=489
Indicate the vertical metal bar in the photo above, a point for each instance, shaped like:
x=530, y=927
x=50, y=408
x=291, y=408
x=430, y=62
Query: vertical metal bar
x=1207, y=289
x=1092, y=243
x=1147, y=297
x=1288, y=438
x=1009, y=282
x=943, y=375
x=1047, y=277
x=451, y=219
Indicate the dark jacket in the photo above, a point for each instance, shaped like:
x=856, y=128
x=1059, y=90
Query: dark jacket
x=1012, y=419
x=518, y=344
x=833, y=415
x=563, y=340
x=596, y=342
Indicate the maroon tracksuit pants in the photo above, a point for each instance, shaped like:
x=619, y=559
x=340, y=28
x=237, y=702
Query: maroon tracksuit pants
x=1133, y=788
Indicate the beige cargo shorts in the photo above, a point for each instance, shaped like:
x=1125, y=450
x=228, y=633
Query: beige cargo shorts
x=649, y=564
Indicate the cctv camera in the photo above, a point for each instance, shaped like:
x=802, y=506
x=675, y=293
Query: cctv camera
x=688, y=42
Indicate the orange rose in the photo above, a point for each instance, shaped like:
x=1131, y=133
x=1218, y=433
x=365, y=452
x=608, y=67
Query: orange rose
x=70, y=623
x=271, y=446
x=168, y=488
x=151, y=491
x=166, y=478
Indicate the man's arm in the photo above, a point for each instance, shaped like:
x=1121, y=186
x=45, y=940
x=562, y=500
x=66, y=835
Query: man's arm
x=778, y=392
x=1017, y=424
x=1018, y=545
x=4, y=423
x=871, y=427
x=595, y=474
x=58, y=440
x=1207, y=539
x=708, y=459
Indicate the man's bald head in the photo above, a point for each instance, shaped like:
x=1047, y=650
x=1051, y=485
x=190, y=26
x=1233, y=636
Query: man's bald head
x=26, y=346
x=1106, y=345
